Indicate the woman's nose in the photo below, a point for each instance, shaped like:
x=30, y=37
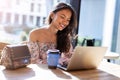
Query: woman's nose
x=65, y=22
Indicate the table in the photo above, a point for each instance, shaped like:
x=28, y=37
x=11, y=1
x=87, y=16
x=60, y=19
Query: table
x=111, y=55
x=105, y=71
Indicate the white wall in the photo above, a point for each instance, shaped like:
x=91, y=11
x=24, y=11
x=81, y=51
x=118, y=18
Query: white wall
x=108, y=23
x=96, y=20
x=92, y=18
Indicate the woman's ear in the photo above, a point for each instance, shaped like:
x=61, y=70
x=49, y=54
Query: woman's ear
x=52, y=15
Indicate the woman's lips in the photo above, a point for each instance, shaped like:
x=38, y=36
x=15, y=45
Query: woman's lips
x=62, y=26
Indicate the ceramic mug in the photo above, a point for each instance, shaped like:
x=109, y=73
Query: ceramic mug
x=53, y=58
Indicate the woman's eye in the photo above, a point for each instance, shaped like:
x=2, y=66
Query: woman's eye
x=68, y=20
x=62, y=17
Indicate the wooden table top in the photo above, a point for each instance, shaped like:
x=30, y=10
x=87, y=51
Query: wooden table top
x=105, y=71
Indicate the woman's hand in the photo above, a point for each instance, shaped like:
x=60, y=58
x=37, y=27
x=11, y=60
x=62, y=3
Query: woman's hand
x=64, y=61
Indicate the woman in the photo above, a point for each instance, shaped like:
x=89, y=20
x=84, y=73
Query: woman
x=55, y=35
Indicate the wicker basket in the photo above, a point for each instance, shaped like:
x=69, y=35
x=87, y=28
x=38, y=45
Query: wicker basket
x=2, y=45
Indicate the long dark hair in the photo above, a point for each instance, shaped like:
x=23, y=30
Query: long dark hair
x=63, y=37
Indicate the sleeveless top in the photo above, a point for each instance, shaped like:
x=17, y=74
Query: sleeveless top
x=38, y=52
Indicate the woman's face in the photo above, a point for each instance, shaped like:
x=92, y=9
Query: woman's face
x=61, y=19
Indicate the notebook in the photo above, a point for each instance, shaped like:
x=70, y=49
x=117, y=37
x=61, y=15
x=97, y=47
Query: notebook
x=85, y=57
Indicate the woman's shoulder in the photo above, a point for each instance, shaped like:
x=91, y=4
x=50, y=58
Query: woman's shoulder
x=36, y=30
x=40, y=30
x=36, y=34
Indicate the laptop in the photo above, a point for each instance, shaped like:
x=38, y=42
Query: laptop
x=85, y=57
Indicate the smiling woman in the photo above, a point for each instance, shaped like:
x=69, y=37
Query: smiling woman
x=55, y=35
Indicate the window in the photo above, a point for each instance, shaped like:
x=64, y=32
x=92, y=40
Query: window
x=32, y=7
x=1, y=17
x=31, y=19
x=16, y=19
x=39, y=7
x=8, y=18
x=24, y=20
x=38, y=21
x=17, y=2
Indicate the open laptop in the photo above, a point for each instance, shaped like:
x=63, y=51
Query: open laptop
x=85, y=57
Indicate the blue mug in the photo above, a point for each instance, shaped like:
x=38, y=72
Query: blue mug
x=53, y=58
